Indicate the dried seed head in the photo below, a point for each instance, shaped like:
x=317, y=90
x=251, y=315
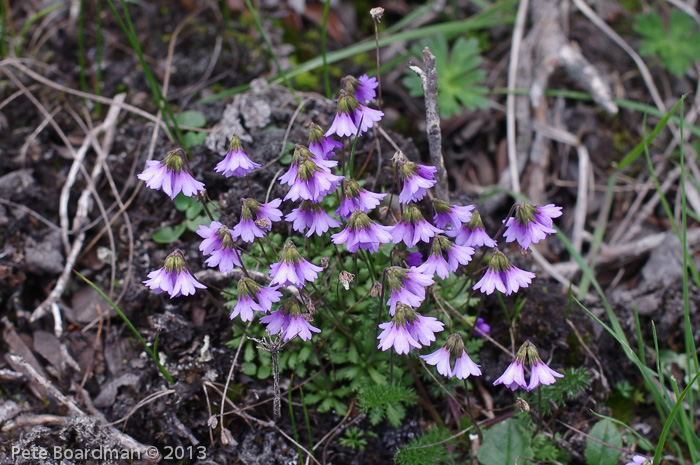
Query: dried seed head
x=522, y=405
x=345, y=279
x=263, y=224
x=376, y=289
x=325, y=261
x=377, y=14
x=213, y=422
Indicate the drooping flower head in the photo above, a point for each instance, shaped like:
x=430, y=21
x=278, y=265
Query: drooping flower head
x=408, y=329
x=254, y=216
x=354, y=197
x=445, y=257
x=530, y=224
x=540, y=373
x=472, y=234
x=171, y=175
x=514, y=376
x=174, y=277
x=352, y=117
x=363, y=88
x=313, y=217
x=407, y=286
x=412, y=228
x=503, y=276
x=362, y=233
x=290, y=320
x=344, y=124
x=417, y=179
x=464, y=366
x=320, y=145
x=218, y=242
x=312, y=181
x=252, y=297
x=453, y=215
x=236, y=162
x=293, y=268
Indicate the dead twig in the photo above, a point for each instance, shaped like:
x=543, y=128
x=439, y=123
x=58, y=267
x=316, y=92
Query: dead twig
x=429, y=80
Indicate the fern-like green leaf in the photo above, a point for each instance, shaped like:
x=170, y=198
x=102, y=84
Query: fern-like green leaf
x=675, y=45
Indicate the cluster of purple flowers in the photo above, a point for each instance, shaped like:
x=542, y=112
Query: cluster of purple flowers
x=514, y=376
x=452, y=238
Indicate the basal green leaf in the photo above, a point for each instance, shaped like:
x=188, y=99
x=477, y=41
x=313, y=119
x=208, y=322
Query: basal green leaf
x=601, y=454
x=503, y=443
x=169, y=234
x=191, y=118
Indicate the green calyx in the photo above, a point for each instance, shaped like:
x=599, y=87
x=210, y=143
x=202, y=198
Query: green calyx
x=533, y=355
x=499, y=262
x=412, y=215
x=315, y=134
x=440, y=245
x=404, y=315
x=225, y=236
x=525, y=213
x=407, y=170
x=475, y=221
x=441, y=206
x=455, y=345
x=307, y=168
x=347, y=103
x=235, y=145
x=359, y=220
x=291, y=307
x=526, y=350
x=290, y=254
x=352, y=189
x=174, y=262
x=247, y=288
x=349, y=84
x=249, y=208
x=173, y=161
x=395, y=275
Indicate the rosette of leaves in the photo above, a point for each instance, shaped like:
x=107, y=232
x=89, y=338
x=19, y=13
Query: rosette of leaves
x=459, y=78
x=676, y=45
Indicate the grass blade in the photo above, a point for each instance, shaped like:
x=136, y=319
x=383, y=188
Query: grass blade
x=133, y=329
x=487, y=18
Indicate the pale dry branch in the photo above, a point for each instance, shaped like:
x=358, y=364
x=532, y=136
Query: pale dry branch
x=429, y=80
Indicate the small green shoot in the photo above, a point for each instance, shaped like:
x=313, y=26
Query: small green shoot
x=676, y=45
x=382, y=401
x=459, y=79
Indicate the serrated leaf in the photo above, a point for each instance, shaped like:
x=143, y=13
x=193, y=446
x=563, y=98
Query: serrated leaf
x=503, y=443
x=601, y=454
x=169, y=234
x=395, y=413
x=191, y=118
x=675, y=45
